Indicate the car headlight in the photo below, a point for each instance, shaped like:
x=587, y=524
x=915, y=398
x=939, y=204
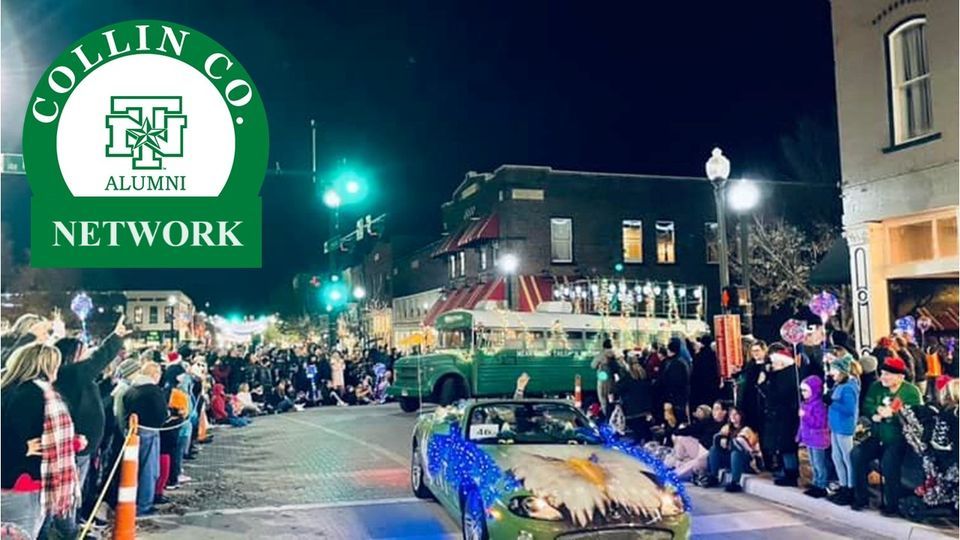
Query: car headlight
x=534, y=508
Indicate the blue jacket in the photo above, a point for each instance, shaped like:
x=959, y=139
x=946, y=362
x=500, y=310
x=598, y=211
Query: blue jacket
x=844, y=407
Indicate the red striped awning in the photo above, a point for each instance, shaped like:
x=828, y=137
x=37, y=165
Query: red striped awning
x=487, y=228
x=533, y=291
x=450, y=243
x=466, y=298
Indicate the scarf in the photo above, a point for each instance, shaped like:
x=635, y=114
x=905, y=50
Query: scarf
x=58, y=465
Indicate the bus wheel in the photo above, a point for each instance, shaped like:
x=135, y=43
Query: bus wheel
x=409, y=404
x=449, y=391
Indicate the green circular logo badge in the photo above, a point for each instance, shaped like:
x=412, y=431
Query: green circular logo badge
x=145, y=145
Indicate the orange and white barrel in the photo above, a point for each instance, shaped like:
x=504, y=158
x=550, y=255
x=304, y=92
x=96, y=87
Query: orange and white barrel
x=125, y=526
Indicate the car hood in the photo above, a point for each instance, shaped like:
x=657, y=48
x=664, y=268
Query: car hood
x=585, y=480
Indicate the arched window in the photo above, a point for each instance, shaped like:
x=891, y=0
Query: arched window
x=909, y=85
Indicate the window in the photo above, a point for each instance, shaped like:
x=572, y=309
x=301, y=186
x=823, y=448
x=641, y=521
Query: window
x=711, y=234
x=911, y=242
x=154, y=315
x=483, y=258
x=526, y=194
x=463, y=263
x=453, y=266
x=632, y=235
x=561, y=240
x=909, y=71
x=666, y=243
x=138, y=315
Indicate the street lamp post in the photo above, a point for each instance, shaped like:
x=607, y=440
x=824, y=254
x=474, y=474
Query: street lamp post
x=744, y=196
x=508, y=264
x=718, y=170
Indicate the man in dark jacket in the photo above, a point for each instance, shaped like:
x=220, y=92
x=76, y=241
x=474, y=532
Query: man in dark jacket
x=674, y=382
x=77, y=383
x=781, y=405
x=705, y=375
x=145, y=398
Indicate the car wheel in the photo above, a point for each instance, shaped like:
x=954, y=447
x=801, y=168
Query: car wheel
x=449, y=391
x=409, y=404
x=417, y=481
x=473, y=518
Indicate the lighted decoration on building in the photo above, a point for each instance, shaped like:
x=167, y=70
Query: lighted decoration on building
x=81, y=305
x=231, y=331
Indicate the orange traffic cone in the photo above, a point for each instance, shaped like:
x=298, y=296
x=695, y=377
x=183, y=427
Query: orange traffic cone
x=202, y=427
x=125, y=526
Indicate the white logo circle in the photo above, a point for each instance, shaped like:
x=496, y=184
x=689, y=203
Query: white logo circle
x=145, y=125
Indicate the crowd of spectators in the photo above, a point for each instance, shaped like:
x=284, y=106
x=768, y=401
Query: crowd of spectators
x=845, y=424
x=67, y=404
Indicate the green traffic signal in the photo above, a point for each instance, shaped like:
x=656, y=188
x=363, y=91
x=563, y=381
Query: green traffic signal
x=618, y=267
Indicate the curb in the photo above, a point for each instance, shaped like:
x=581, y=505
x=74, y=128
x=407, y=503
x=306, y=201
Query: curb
x=868, y=521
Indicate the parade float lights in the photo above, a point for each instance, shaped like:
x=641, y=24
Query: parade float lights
x=456, y=461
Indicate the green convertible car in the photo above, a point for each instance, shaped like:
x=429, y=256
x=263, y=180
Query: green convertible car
x=540, y=469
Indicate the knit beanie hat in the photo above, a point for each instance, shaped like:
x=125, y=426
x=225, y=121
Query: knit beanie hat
x=869, y=363
x=842, y=364
x=942, y=381
x=894, y=364
x=128, y=367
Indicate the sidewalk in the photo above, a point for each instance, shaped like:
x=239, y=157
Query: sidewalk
x=867, y=520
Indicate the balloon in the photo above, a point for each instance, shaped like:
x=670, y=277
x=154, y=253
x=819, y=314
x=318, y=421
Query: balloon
x=81, y=305
x=793, y=331
x=906, y=325
x=924, y=323
x=824, y=305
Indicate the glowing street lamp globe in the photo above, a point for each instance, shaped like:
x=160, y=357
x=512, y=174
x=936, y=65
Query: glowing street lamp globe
x=359, y=293
x=743, y=195
x=718, y=166
x=509, y=263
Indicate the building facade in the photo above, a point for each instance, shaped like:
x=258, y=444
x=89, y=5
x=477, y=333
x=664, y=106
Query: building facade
x=897, y=104
x=159, y=316
x=562, y=226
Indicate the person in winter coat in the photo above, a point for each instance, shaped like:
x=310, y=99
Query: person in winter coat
x=705, y=375
x=726, y=453
x=779, y=387
x=38, y=478
x=885, y=398
x=637, y=401
x=605, y=365
x=674, y=382
x=750, y=399
x=842, y=413
x=145, y=398
x=814, y=433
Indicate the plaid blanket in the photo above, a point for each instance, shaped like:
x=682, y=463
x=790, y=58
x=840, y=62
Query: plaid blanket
x=58, y=466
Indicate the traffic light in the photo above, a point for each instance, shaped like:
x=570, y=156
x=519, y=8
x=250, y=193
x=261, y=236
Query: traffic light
x=334, y=293
x=351, y=184
x=730, y=298
x=618, y=268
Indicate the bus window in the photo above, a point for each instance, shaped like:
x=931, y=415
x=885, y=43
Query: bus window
x=536, y=340
x=455, y=339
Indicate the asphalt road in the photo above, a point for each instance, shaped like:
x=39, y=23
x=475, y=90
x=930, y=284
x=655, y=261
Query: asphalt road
x=343, y=473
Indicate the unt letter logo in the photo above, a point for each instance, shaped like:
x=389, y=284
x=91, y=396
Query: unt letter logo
x=145, y=145
x=146, y=129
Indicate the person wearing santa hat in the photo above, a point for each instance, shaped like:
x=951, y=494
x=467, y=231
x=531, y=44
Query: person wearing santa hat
x=885, y=399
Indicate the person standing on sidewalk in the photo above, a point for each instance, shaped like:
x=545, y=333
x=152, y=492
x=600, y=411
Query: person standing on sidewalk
x=843, y=408
x=884, y=400
x=814, y=433
x=779, y=386
x=77, y=384
x=145, y=399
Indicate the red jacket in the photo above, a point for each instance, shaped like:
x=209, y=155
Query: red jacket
x=218, y=403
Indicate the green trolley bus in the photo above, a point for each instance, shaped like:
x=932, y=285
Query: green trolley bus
x=482, y=353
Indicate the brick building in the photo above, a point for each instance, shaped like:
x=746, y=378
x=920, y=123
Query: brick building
x=565, y=225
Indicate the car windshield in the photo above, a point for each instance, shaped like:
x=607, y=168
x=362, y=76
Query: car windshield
x=530, y=423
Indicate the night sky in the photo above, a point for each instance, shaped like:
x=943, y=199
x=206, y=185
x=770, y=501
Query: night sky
x=422, y=92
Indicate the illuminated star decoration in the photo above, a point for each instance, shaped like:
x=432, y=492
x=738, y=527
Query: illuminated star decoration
x=147, y=135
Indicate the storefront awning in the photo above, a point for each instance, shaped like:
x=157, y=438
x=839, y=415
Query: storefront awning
x=533, y=291
x=487, y=228
x=834, y=268
x=449, y=244
x=466, y=298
